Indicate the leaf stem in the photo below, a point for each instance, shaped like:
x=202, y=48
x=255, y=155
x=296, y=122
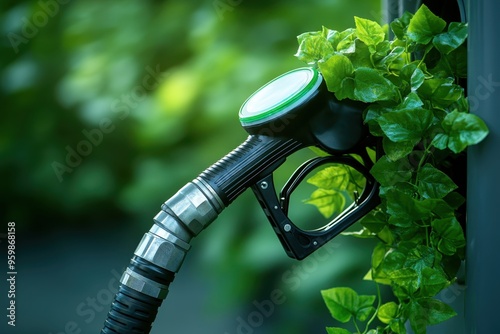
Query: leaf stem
x=371, y=60
x=423, y=158
x=423, y=58
x=353, y=180
x=420, y=164
x=379, y=302
x=406, y=54
x=427, y=235
x=400, y=96
x=356, y=325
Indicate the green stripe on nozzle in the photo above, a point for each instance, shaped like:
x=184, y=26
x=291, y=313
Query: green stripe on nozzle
x=279, y=96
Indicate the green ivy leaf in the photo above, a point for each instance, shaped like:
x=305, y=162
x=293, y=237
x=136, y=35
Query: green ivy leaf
x=417, y=79
x=371, y=276
x=335, y=69
x=346, y=41
x=448, y=235
x=439, y=311
x=378, y=254
x=313, y=46
x=433, y=281
x=443, y=69
x=345, y=303
x=400, y=221
x=370, y=32
x=440, y=92
x=327, y=201
x=381, y=50
x=440, y=207
x=447, y=94
x=407, y=278
x=460, y=130
x=396, y=151
x=424, y=25
x=401, y=293
x=429, y=86
x=337, y=330
x=365, y=307
x=346, y=90
x=451, y=265
x=402, y=205
x=457, y=61
x=440, y=141
x=330, y=34
x=405, y=188
x=452, y=39
x=400, y=25
x=454, y=200
x=428, y=311
x=374, y=221
x=387, y=312
x=412, y=101
x=332, y=177
x=340, y=302
x=392, y=56
x=393, y=260
x=371, y=86
x=388, y=172
x=433, y=183
x=361, y=57
x=406, y=125
x=398, y=326
x=412, y=74
x=357, y=182
x=371, y=115
x=419, y=258
x=386, y=235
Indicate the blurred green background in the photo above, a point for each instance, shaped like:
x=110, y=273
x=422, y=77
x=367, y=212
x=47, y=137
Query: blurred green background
x=155, y=86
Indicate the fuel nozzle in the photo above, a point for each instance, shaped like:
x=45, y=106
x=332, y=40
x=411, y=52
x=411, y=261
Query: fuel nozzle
x=289, y=113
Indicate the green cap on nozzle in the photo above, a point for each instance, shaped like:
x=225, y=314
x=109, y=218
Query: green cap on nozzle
x=279, y=96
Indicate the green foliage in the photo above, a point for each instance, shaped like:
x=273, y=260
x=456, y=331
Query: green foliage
x=337, y=185
x=371, y=86
x=345, y=304
x=419, y=112
x=424, y=26
x=336, y=330
x=459, y=131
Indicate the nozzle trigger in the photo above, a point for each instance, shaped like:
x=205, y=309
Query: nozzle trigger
x=299, y=243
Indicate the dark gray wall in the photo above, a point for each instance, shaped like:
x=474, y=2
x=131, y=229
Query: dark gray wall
x=483, y=202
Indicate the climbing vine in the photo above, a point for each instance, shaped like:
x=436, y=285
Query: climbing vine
x=418, y=109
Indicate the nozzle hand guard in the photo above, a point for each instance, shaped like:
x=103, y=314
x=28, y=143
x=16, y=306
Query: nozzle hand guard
x=299, y=243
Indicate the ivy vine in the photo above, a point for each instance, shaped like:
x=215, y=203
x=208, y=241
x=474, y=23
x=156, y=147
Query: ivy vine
x=419, y=110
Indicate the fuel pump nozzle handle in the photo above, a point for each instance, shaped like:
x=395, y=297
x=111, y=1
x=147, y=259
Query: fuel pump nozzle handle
x=289, y=113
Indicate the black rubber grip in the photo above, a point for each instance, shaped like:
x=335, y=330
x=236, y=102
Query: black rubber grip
x=151, y=271
x=133, y=312
x=246, y=164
